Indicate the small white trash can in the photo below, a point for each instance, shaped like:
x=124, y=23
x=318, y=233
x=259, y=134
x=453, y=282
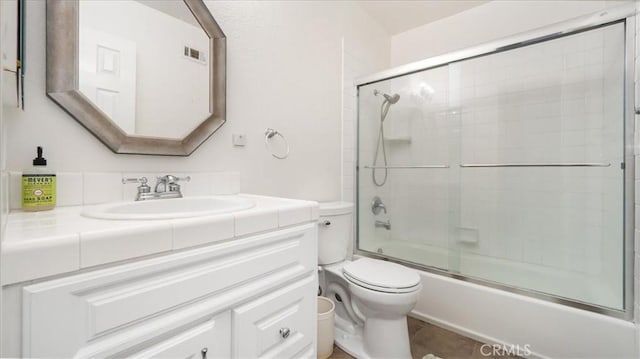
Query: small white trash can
x=326, y=312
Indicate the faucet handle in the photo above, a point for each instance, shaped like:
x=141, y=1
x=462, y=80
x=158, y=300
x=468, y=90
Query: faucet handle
x=142, y=188
x=142, y=180
x=184, y=179
x=174, y=186
x=171, y=179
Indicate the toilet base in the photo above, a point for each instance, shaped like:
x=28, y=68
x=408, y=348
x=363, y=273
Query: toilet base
x=350, y=342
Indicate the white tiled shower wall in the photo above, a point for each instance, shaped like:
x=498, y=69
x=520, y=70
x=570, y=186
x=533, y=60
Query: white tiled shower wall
x=526, y=106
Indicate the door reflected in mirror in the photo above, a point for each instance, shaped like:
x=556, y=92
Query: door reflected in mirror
x=145, y=64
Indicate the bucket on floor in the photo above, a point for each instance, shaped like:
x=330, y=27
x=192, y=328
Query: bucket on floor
x=326, y=311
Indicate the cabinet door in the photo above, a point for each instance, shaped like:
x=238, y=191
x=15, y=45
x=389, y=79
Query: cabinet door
x=281, y=324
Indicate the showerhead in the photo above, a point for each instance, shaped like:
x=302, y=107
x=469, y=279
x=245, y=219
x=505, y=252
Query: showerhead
x=392, y=99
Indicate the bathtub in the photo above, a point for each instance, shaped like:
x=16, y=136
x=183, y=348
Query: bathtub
x=514, y=321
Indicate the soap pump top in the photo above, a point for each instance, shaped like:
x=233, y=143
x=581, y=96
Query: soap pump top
x=39, y=161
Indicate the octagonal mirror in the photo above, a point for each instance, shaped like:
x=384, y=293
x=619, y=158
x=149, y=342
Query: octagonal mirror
x=143, y=76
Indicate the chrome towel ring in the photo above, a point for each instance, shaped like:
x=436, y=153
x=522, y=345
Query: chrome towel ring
x=270, y=133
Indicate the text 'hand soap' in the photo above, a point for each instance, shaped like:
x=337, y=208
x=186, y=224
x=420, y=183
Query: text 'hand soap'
x=38, y=186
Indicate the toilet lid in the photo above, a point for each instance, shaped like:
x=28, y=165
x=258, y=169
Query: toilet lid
x=381, y=275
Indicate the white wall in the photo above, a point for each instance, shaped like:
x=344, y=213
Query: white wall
x=284, y=71
x=484, y=23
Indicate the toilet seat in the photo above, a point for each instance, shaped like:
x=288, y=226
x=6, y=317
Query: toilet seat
x=381, y=276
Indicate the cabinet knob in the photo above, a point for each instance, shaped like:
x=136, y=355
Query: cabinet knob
x=326, y=223
x=284, y=332
x=204, y=353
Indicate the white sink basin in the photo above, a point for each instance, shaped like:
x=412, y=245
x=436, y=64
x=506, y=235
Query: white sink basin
x=169, y=208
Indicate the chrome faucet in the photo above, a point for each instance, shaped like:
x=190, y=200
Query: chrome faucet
x=384, y=224
x=166, y=187
x=169, y=183
x=377, y=206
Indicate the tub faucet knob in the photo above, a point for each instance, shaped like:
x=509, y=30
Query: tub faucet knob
x=377, y=206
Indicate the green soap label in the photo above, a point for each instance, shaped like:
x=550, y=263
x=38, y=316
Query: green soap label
x=38, y=190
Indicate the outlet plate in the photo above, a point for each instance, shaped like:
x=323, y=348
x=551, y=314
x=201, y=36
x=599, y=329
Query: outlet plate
x=239, y=139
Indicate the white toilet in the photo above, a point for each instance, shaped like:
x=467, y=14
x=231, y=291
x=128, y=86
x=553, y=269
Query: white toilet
x=372, y=296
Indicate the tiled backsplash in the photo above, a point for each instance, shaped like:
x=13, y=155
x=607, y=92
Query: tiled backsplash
x=78, y=188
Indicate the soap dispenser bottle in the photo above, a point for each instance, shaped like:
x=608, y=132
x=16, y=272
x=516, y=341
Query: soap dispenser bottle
x=38, y=186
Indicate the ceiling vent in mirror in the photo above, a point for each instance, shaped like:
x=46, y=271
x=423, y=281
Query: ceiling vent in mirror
x=195, y=54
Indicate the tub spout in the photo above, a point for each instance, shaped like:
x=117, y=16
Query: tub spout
x=384, y=224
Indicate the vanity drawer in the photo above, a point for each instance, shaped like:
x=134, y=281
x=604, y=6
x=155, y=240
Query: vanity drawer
x=63, y=316
x=207, y=337
x=210, y=339
x=281, y=324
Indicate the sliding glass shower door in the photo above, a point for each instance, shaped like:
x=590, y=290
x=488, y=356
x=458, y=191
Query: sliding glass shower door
x=507, y=168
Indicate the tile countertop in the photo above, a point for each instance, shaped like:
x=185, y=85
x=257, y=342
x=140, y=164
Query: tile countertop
x=42, y=244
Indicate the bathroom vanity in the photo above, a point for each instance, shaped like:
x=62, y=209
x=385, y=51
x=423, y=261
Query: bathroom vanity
x=232, y=285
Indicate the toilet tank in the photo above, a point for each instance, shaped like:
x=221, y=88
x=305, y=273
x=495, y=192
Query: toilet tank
x=334, y=232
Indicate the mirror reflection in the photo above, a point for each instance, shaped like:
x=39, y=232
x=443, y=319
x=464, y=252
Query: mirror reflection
x=145, y=64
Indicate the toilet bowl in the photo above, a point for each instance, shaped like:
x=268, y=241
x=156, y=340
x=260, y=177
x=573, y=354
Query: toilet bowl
x=372, y=297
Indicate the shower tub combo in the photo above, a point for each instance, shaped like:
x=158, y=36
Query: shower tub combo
x=505, y=173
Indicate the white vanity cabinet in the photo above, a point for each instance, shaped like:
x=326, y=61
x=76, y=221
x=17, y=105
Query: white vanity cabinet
x=245, y=298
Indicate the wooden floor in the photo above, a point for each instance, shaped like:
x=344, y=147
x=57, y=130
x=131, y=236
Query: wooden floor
x=429, y=339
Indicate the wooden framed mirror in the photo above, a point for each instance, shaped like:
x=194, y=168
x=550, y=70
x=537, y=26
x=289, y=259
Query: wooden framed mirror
x=150, y=81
